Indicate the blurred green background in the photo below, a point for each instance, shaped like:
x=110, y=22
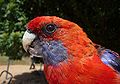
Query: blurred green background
x=100, y=19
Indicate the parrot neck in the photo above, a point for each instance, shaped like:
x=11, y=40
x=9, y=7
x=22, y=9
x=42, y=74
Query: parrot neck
x=76, y=42
x=80, y=47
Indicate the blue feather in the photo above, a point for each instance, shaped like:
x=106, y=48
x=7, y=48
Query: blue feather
x=110, y=58
x=54, y=52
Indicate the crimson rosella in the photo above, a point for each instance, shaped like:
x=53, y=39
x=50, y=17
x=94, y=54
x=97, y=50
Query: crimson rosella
x=69, y=56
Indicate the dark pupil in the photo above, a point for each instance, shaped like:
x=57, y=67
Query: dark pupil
x=50, y=28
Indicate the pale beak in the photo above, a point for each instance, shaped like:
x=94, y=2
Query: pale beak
x=27, y=39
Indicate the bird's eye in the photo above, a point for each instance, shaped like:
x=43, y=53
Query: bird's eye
x=49, y=29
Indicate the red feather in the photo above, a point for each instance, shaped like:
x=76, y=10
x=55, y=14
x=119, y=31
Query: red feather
x=84, y=65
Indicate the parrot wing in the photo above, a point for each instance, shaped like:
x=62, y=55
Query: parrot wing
x=109, y=57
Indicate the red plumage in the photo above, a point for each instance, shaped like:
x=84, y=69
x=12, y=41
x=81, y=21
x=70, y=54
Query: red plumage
x=83, y=65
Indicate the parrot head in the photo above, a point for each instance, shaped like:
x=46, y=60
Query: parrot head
x=57, y=40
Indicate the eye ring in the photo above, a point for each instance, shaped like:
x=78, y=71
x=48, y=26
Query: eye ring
x=49, y=29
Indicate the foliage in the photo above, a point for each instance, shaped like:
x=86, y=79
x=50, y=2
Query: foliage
x=12, y=23
x=11, y=45
x=100, y=20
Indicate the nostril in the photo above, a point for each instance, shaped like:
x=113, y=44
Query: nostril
x=29, y=31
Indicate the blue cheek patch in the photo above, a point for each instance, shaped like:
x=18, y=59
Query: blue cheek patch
x=111, y=59
x=54, y=52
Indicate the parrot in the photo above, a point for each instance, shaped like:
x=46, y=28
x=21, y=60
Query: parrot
x=69, y=56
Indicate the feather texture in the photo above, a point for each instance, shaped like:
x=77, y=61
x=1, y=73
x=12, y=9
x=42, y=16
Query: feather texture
x=82, y=63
